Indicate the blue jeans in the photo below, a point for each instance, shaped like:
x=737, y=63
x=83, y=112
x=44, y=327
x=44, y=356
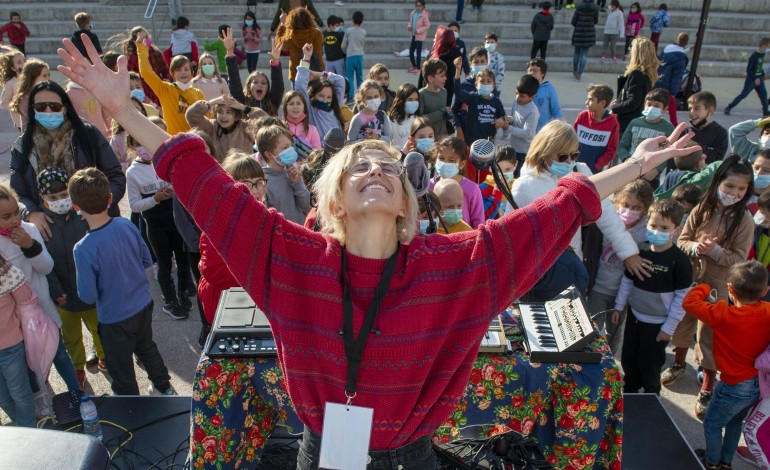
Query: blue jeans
x=15, y=392
x=415, y=52
x=579, y=59
x=460, y=6
x=728, y=408
x=63, y=364
x=354, y=65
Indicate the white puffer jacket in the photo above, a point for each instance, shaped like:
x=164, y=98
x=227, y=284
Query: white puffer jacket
x=532, y=185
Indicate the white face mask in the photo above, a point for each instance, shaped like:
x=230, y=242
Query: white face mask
x=760, y=219
x=373, y=104
x=62, y=206
x=184, y=86
x=727, y=200
x=764, y=141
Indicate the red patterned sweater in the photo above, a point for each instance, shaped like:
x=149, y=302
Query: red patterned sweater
x=444, y=292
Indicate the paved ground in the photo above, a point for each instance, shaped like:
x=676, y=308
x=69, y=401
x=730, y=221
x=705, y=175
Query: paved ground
x=177, y=339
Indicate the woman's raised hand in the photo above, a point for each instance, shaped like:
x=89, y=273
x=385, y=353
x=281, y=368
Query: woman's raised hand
x=110, y=88
x=654, y=151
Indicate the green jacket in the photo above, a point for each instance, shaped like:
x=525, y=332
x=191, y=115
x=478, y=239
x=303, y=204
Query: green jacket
x=219, y=47
x=701, y=179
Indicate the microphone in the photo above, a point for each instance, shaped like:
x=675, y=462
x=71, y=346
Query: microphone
x=334, y=140
x=482, y=154
x=417, y=173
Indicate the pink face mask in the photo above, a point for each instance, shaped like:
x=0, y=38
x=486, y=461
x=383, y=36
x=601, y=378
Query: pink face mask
x=628, y=216
x=6, y=232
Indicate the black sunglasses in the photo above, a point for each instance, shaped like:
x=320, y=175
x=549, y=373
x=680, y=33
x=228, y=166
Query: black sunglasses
x=568, y=156
x=41, y=107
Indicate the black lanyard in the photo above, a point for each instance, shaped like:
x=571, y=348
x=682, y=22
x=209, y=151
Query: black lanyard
x=354, y=347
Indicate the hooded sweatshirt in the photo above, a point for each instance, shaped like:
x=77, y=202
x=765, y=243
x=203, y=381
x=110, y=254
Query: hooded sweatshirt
x=547, y=102
x=181, y=41
x=542, y=25
x=673, y=64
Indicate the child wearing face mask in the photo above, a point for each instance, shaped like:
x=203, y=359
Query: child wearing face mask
x=450, y=195
x=651, y=124
x=485, y=111
x=717, y=234
x=402, y=113
x=151, y=196
x=68, y=229
x=452, y=159
x=655, y=303
x=286, y=191
x=371, y=122
x=380, y=74
x=631, y=204
x=495, y=204
x=215, y=276
x=209, y=80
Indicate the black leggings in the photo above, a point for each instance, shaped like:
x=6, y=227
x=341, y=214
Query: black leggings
x=415, y=46
x=166, y=241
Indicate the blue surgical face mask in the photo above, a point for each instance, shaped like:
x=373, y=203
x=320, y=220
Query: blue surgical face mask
x=249, y=22
x=424, y=144
x=322, y=105
x=477, y=68
x=339, y=29
x=652, y=113
x=288, y=157
x=411, y=107
x=658, y=238
x=447, y=170
x=490, y=47
x=761, y=181
x=452, y=216
x=50, y=121
x=561, y=169
x=486, y=90
x=424, y=223
x=208, y=70
x=138, y=94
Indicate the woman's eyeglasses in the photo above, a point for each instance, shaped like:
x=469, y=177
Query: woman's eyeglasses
x=41, y=107
x=258, y=184
x=363, y=167
x=573, y=156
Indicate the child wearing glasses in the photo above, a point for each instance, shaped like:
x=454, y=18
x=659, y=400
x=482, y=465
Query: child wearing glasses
x=215, y=276
x=152, y=197
x=286, y=192
x=651, y=124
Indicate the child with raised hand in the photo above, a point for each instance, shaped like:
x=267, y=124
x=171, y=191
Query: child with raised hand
x=422, y=139
x=231, y=126
x=402, y=114
x=452, y=159
x=286, y=192
x=485, y=112
x=655, y=303
x=17, y=299
x=175, y=97
x=209, y=80
x=218, y=47
x=740, y=141
x=33, y=72
x=11, y=64
x=631, y=203
x=215, y=276
x=370, y=122
x=717, y=234
x=741, y=334
x=66, y=230
x=258, y=92
x=152, y=197
x=251, y=35
x=111, y=261
x=295, y=114
x=323, y=92
x=495, y=204
x=450, y=196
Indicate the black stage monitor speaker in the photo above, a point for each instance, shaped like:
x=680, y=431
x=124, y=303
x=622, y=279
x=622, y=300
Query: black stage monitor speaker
x=26, y=448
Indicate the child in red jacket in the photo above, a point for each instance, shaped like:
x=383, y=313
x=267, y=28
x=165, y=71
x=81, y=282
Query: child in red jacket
x=741, y=334
x=17, y=32
x=215, y=276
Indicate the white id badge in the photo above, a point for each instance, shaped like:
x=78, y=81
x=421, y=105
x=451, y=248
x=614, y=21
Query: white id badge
x=345, y=438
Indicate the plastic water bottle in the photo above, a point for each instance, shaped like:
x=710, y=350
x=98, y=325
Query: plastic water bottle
x=90, y=418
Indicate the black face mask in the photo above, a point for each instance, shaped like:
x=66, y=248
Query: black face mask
x=698, y=124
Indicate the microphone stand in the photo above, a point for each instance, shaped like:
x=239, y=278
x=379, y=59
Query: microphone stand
x=431, y=227
x=502, y=185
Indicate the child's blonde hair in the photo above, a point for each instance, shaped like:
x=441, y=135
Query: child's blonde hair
x=366, y=86
x=7, y=71
x=8, y=194
x=31, y=71
x=242, y=166
x=639, y=189
x=177, y=63
x=203, y=56
x=376, y=70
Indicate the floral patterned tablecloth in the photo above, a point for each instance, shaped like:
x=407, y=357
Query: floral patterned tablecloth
x=574, y=410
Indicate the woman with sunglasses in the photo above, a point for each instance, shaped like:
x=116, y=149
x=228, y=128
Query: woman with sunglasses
x=56, y=136
x=553, y=155
x=365, y=312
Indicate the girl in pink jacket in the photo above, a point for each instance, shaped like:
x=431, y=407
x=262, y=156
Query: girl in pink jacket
x=419, y=23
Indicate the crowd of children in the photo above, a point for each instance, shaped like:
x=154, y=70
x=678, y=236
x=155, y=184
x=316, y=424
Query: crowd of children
x=681, y=223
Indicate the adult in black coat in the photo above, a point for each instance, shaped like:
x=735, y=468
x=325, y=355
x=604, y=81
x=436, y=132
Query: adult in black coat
x=633, y=86
x=584, y=35
x=58, y=137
